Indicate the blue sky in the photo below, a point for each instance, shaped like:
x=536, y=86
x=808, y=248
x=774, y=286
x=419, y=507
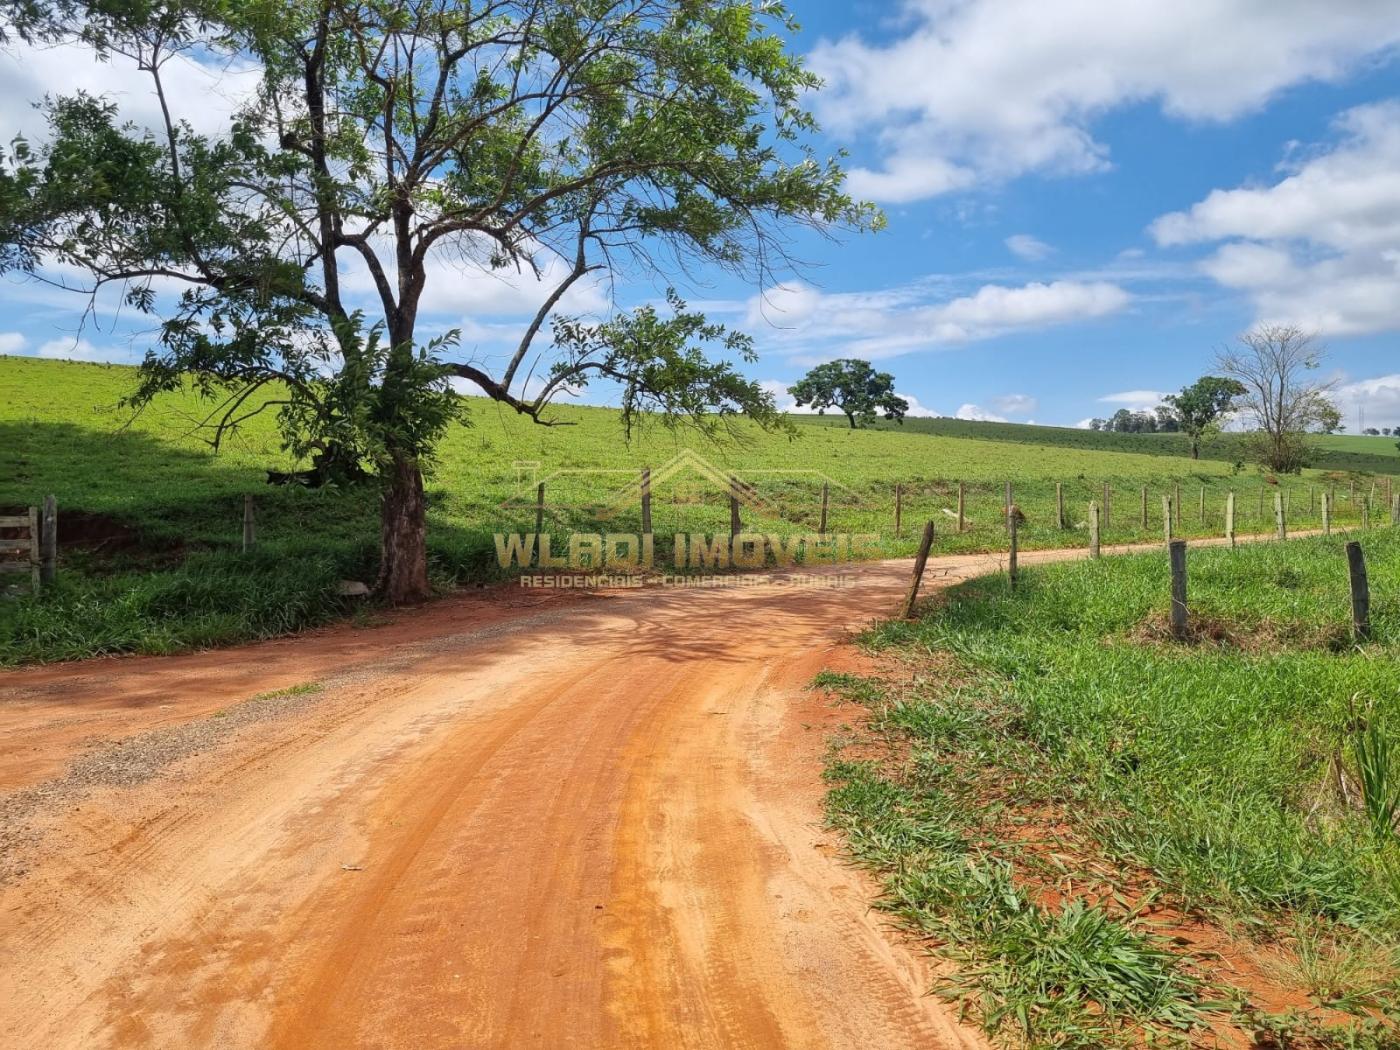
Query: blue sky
x=1085, y=200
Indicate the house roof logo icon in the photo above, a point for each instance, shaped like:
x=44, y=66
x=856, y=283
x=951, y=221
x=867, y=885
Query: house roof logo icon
x=626, y=495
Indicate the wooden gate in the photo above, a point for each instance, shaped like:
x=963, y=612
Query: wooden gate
x=21, y=554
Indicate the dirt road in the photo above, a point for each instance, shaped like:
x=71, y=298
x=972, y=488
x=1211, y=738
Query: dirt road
x=505, y=820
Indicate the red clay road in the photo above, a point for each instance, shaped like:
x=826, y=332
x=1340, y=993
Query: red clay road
x=505, y=820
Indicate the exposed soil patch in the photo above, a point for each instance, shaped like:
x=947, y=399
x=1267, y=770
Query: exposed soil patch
x=1264, y=636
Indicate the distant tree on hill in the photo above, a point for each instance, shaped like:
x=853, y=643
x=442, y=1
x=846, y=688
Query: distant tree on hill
x=1199, y=408
x=1098, y=424
x=1127, y=422
x=1373, y=432
x=853, y=387
x=1272, y=362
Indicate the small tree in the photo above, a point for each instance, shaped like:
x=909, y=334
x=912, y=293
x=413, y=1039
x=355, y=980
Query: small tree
x=855, y=388
x=1199, y=409
x=1273, y=362
x=390, y=138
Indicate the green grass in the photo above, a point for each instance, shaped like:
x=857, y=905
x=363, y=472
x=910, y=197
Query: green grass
x=154, y=564
x=1203, y=772
x=1338, y=452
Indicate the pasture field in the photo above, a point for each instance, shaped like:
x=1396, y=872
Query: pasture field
x=150, y=515
x=1108, y=832
x=1339, y=452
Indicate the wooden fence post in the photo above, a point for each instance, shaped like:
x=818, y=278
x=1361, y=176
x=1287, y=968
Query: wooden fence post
x=826, y=496
x=734, y=524
x=1059, y=505
x=1395, y=509
x=1327, y=514
x=962, y=506
x=1230, y=517
x=646, y=501
x=1360, y=593
x=1144, y=508
x=1366, y=512
x=1179, y=613
x=898, y=507
x=1011, y=570
x=1093, y=530
x=35, y=558
x=1009, y=501
x=48, y=540
x=920, y=561
x=250, y=537
x=539, y=522
x=1167, y=519
x=1279, y=521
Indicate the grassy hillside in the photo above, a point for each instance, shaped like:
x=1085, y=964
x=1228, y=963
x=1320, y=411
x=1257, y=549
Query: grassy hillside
x=1110, y=832
x=150, y=516
x=1340, y=452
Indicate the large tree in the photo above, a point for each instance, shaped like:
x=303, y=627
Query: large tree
x=854, y=388
x=1199, y=408
x=1274, y=364
x=595, y=140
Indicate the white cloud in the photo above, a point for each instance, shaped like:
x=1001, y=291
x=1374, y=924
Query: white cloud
x=977, y=412
x=1320, y=247
x=785, y=305
x=202, y=94
x=1136, y=400
x=819, y=326
x=461, y=283
x=1015, y=404
x=918, y=411
x=975, y=90
x=82, y=350
x=12, y=342
x=1083, y=424
x=1031, y=249
x=1378, y=396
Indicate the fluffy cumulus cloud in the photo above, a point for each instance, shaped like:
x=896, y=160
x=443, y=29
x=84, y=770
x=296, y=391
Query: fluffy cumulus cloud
x=1321, y=245
x=1379, y=397
x=12, y=342
x=813, y=326
x=203, y=94
x=978, y=413
x=976, y=90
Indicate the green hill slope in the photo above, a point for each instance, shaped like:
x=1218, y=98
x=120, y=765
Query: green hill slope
x=150, y=516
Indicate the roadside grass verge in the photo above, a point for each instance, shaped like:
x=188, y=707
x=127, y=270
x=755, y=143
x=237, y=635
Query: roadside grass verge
x=1116, y=838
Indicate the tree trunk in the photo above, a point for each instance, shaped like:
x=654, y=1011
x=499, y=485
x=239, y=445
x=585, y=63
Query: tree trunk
x=850, y=418
x=403, y=566
x=1195, y=448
